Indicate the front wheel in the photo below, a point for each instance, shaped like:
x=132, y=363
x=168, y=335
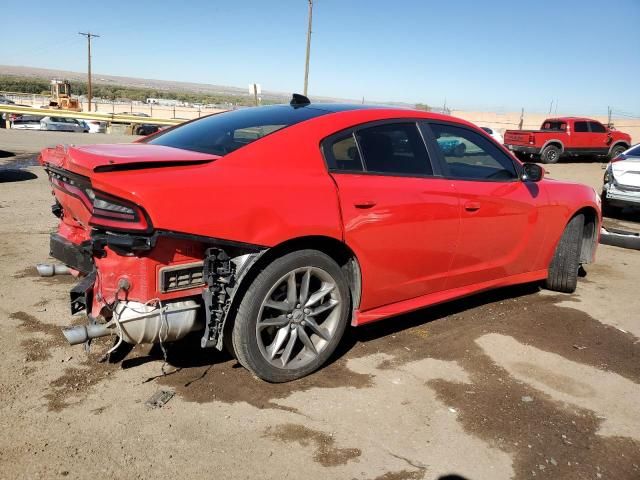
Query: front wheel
x=563, y=270
x=292, y=316
x=615, y=151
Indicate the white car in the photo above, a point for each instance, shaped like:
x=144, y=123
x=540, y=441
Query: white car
x=61, y=124
x=622, y=181
x=26, y=122
x=495, y=134
x=95, y=126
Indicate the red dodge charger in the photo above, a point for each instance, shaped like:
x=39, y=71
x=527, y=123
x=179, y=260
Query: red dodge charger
x=270, y=229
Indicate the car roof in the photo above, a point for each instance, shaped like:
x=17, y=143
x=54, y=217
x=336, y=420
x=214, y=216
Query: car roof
x=341, y=107
x=563, y=119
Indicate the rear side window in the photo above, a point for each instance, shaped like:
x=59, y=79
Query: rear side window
x=597, y=127
x=343, y=155
x=471, y=156
x=556, y=126
x=581, y=127
x=395, y=148
x=226, y=132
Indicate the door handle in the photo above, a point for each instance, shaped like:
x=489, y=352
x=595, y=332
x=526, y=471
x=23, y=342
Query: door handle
x=365, y=204
x=472, y=206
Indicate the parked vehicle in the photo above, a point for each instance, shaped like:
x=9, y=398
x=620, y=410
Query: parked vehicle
x=272, y=229
x=621, y=186
x=135, y=114
x=62, y=124
x=27, y=122
x=494, y=134
x=144, y=128
x=95, y=126
x=567, y=136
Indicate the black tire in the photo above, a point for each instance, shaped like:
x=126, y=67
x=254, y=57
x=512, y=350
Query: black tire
x=244, y=335
x=550, y=154
x=563, y=270
x=615, y=151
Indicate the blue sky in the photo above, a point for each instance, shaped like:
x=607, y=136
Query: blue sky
x=486, y=55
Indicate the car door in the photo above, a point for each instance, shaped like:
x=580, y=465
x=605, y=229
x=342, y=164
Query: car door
x=500, y=231
x=599, y=138
x=401, y=221
x=580, y=138
x=57, y=124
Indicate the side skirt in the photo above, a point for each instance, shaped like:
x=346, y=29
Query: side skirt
x=405, y=306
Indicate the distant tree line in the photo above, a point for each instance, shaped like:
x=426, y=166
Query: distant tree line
x=40, y=86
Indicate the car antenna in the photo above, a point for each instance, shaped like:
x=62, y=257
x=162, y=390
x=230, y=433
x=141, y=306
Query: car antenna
x=298, y=100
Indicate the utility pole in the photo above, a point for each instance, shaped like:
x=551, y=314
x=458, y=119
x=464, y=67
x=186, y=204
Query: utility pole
x=306, y=64
x=89, y=35
x=520, y=125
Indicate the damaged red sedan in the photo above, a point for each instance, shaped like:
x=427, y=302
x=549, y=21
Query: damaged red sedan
x=271, y=229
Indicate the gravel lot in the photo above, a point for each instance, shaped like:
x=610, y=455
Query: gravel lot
x=516, y=383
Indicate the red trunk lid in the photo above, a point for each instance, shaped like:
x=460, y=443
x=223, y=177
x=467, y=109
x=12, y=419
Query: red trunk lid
x=87, y=159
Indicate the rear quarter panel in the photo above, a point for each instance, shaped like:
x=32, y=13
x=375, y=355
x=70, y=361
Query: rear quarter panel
x=565, y=199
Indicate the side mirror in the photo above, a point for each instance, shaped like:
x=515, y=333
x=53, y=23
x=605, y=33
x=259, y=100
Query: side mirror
x=532, y=172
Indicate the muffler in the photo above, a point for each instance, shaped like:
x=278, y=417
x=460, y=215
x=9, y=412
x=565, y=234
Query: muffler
x=137, y=322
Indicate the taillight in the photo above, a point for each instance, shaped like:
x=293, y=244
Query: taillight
x=106, y=210
x=532, y=139
x=113, y=212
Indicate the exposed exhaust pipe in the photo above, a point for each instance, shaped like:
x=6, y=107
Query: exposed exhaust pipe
x=51, y=269
x=81, y=333
x=137, y=322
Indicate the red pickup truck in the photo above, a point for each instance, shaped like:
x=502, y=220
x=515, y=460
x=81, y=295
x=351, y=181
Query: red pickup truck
x=567, y=136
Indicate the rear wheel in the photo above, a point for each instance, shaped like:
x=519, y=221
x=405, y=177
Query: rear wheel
x=563, y=270
x=550, y=154
x=292, y=316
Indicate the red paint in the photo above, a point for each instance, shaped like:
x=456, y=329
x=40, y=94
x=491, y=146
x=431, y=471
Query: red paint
x=418, y=241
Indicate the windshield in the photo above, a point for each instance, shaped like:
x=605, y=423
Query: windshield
x=226, y=132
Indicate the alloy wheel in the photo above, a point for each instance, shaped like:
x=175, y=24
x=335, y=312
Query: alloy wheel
x=298, y=317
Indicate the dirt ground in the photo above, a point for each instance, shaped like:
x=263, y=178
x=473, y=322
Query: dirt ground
x=516, y=383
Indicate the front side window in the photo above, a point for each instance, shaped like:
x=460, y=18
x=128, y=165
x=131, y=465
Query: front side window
x=226, y=132
x=471, y=156
x=395, y=148
x=597, y=127
x=580, y=127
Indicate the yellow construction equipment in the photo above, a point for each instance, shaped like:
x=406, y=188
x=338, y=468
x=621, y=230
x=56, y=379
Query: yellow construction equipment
x=61, y=96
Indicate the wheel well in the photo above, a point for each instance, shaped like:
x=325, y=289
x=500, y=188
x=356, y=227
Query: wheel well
x=554, y=144
x=335, y=249
x=589, y=234
x=619, y=144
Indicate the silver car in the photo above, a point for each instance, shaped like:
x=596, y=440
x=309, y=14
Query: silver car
x=61, y=124
x=622, y=181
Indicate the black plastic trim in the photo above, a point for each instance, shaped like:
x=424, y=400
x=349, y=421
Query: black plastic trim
x=75, y=256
